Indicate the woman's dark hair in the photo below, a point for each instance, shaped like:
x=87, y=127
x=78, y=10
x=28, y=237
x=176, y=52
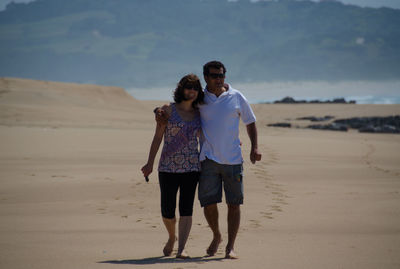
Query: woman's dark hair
x=191, y=79
x=212, y=64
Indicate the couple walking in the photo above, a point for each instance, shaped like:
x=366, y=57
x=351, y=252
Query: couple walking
x=212, y=117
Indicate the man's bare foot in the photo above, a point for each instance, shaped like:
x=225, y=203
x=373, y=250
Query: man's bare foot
x=169, y=246
x=182, y=255
x=230, y=254
x=213, y=248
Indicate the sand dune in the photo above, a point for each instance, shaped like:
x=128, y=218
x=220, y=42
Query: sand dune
x=27, y=102
x=72, y=194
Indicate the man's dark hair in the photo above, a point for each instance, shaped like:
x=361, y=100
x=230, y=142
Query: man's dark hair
x=212, y=64
x=193, y=80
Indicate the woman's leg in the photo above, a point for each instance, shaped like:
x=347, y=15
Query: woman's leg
x=169, y=188
x=185, y=225
x=187, y=190
x=170, y=225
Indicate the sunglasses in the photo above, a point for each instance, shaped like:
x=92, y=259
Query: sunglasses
x=191, y=87
x=213, y=75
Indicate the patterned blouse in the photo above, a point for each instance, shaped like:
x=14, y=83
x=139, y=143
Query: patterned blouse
x=180, y=152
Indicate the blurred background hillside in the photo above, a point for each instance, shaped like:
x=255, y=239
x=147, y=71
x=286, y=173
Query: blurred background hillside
x=148, y=43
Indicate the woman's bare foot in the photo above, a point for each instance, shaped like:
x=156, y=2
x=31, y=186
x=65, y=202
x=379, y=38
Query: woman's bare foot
x=182, y=255
x=230, y=254
x=213, y=248
x=169, y=246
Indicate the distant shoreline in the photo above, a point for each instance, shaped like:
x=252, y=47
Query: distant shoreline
x=363, y=92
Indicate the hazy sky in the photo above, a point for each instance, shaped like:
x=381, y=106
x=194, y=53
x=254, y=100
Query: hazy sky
x=368, y=3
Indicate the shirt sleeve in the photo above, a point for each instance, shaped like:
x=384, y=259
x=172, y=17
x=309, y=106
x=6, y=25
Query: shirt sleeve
x=246, y=113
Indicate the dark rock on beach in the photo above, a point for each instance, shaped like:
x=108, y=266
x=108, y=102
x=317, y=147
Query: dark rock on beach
x=388, y=129
x=280, y=124
x=312, y=118
x=291, y=100
x=286, y=100
x=389, y=124
x=331, y=127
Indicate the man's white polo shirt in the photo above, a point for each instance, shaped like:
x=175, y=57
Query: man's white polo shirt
x=220, y=126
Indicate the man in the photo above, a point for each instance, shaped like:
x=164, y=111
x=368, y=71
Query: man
x=220, y=153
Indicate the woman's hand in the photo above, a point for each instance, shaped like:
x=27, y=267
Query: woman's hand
x=147, y=169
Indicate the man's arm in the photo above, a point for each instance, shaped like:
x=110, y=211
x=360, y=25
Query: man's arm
x=252, y=132
x=161, y=114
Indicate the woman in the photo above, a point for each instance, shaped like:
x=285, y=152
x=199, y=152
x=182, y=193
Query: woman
x=179, y=162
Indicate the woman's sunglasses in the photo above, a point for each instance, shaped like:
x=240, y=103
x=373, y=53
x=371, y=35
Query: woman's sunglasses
x=191, y=87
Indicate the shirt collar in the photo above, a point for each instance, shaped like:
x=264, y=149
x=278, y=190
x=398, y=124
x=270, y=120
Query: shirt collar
x=210, y=94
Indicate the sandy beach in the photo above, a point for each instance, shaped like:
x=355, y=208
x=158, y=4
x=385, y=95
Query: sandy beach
x=72, y=194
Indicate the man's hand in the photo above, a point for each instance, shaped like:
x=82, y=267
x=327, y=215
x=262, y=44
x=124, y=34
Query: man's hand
x=255, y=155
x=252, y=132
x=161, y=115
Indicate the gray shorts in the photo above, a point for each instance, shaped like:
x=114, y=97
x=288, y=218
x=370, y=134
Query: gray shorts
x=210, y=184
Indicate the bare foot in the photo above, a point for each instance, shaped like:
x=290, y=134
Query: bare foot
x=182, y=255
x=213, y=248
x=230, y=254
x=169, y=246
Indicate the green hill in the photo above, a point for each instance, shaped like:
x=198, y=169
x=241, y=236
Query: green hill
x=153, y=42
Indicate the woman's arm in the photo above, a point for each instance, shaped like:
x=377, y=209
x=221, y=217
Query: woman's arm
x=155, y=145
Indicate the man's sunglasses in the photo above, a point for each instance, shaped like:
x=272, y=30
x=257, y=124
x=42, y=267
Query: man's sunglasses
x=213, y=75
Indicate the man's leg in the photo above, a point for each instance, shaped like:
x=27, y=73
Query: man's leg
x=233, y=186
x=211, y=214
x=233, y=228
x=210, y=194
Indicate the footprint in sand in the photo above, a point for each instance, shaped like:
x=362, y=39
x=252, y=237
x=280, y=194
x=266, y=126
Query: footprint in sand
x=255, y=223
x=275, y=193
x=367, y=158
x=267, y=215
x=60, y=176
x=276, y=208
x=101, y=210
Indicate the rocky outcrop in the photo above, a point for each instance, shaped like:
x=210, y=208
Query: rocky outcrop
x=291, y=100
x=331, y=127
x=312, y=118
x=280, y=124
x=389, y=124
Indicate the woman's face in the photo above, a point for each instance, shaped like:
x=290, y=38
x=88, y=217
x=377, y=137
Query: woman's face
x=190, y=92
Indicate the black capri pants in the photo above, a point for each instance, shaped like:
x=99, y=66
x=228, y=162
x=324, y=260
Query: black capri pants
x=169, y=185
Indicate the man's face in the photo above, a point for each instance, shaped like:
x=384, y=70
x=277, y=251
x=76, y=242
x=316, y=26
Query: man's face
x=215, y=79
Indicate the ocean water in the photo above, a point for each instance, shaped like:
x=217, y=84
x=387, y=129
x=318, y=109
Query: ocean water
x=363, y=92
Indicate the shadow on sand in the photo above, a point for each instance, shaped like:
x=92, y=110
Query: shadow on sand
x=163, y=259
